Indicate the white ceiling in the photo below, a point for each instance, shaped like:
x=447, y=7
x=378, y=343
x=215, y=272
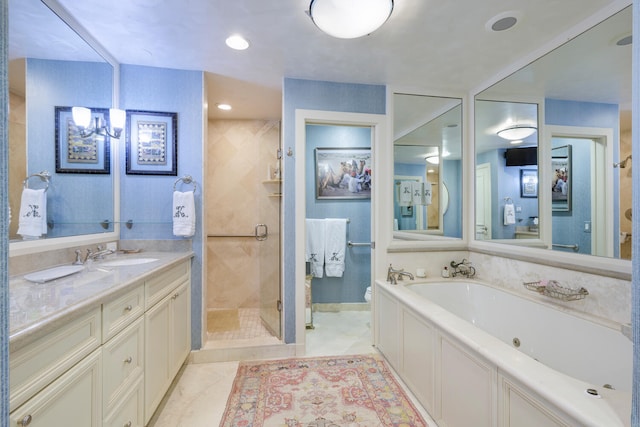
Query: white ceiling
x=432, y=44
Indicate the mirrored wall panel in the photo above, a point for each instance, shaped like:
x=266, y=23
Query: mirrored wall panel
x=427, y=195
x=579, y=98
x=52, y=67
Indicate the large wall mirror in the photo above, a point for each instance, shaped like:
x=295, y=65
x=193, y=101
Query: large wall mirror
x=427, y=156
x=51, y=66
x=563, y=183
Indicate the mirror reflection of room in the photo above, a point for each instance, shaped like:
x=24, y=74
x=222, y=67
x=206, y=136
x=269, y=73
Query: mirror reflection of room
x=584, y=89
x=427, y=167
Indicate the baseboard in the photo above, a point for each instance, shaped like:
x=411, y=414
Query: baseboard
x=341, y=306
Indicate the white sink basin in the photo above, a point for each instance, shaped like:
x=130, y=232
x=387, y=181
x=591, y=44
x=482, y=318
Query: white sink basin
x=127, y=261
x=54, y=273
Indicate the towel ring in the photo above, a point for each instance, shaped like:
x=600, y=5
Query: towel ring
x=187, y=179
x=44, y=176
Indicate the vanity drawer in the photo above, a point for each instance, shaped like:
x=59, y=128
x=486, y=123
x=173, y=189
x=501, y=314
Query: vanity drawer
x=39, y=363
x=117, y=314
x=129, y=410
x=164, y=282
x=122, y=359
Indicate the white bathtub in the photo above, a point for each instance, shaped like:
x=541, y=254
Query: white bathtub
x=531, y=356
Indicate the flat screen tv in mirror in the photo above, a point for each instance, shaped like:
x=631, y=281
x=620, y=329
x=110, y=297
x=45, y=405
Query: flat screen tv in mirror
x=584, y=89
x=427, y=159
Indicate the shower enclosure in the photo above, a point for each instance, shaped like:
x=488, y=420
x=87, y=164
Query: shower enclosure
x=243, y=232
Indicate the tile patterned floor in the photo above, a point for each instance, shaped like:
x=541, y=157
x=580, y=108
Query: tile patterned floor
x=251, y=328
x=199, y=396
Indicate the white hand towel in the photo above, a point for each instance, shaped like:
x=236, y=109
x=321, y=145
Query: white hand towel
x=405, y=193
x=32, y=222
x=334, y=246
x=427, y=193
x=417, y=190
x=314, y=245
x=509, y=214
x=184, y=214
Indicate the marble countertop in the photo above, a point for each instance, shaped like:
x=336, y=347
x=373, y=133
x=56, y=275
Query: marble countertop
x=38, y=308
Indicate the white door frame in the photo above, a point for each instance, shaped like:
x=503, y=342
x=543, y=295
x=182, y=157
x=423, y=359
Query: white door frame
x=485, y=196
x=377, y=123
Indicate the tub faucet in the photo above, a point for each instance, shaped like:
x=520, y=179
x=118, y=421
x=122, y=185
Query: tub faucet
x=394, y=275
x=462, y=268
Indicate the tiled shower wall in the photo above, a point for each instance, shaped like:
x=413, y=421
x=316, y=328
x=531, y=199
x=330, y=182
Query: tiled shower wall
x=241, y=160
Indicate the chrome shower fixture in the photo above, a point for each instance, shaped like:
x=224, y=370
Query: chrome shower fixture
x=622, y=164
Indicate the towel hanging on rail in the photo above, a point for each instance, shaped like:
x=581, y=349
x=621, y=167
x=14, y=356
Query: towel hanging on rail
x=314, y=245
x=184, y=214
x=32, y=221
x=509, y=214
x=335, y=245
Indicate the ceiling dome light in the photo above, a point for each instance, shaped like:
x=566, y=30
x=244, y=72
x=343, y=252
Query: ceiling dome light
x=225, y=107
x=349, y=19
x=516, y=132
x=237, y=42
x=434, y=160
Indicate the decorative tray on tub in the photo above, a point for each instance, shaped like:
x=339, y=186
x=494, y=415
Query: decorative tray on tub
x=554, y=290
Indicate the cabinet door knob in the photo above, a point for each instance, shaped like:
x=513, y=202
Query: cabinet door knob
x=128, y=360
x=128, y=308
x=128, y=424
x=25, y=421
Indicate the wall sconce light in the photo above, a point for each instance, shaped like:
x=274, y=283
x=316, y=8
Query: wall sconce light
x=516, y=132
x=82, y=119
x=349, y=19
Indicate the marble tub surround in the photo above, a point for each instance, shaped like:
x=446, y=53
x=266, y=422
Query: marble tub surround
x=39, y=308
x=609, y=298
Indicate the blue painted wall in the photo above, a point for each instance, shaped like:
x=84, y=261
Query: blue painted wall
x=505, y=182
x=588, y=114
x=357, y=273
x=312, y=95
x=147, y=199
x=74, y=205
x=452, y=178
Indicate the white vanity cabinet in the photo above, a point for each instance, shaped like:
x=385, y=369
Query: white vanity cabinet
x=167, y=332
x=73, y=398
x=94, y=369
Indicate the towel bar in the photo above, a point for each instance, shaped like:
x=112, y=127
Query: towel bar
x=187, y=179
x=44, y=176
x=352, y=244
x=574, y=247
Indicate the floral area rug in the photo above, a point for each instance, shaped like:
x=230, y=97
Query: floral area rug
x=344, y=391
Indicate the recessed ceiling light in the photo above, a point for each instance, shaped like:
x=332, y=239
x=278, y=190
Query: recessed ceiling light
x=625, y=41
x=225, y=107
x=503, y=21
x=237, y=42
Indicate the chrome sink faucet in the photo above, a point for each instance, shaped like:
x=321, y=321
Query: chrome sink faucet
x=393, y=276
x=91, y=256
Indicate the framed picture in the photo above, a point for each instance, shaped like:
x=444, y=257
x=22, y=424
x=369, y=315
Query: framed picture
x=561, y=179
x=75, y=154
x=343, y=173
x=152, y=143
x=528, y=183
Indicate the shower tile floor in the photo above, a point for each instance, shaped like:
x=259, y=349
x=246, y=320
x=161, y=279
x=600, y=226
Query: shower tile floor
x=199, y=396
x=251, y=332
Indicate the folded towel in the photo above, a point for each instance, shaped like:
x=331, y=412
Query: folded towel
x=334, y=246
x=417, y=193
x=32, y=221
x=314, y=246
x=405, y=193
x=427, y=193
x=509, y=214
x=184, y=214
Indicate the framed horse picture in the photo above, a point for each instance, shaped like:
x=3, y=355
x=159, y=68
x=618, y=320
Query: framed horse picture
x=343, y=173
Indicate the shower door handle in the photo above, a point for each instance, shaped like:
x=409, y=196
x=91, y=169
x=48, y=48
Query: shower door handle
x=262, y=232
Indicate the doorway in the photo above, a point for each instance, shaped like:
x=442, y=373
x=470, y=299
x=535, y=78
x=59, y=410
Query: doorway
x=243, y=242
x=350, y=132
x=483, y=201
